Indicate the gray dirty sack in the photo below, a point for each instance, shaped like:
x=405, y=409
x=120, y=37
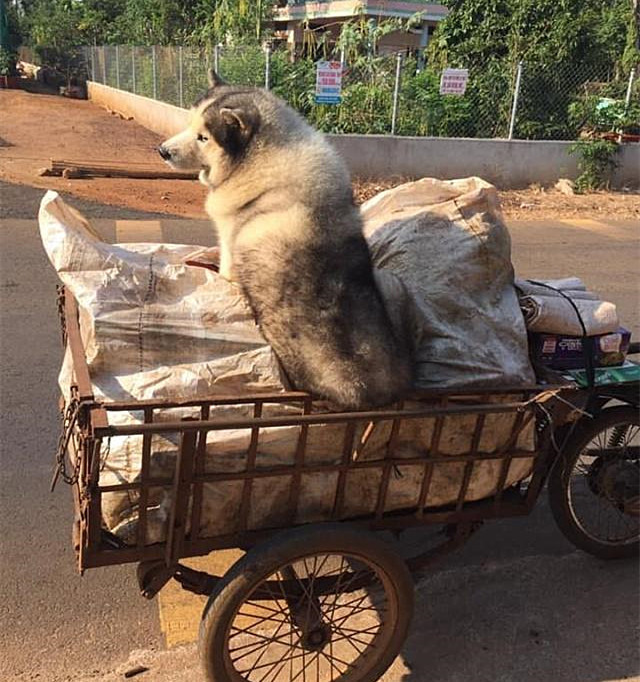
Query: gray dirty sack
x=448, y=244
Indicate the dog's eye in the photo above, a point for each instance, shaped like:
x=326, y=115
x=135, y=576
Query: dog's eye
x=202, y=138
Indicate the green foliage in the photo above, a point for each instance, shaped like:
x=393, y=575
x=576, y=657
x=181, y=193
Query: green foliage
x=565, y=45
x=242, y=65
x=7, y=62
x=593, y=114
x=53, y=27
x=575, y=53
x=145, y=22
x=597, y=162
x=361, y=36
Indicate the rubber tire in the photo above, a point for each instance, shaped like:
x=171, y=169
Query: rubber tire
x=559, y=479
x=264, y=559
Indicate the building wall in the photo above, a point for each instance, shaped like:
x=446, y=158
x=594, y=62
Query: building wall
x=333, y=13
x=349, y=8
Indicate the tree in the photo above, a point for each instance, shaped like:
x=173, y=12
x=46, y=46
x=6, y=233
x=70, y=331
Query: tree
x=146, y=22
x=566, y=46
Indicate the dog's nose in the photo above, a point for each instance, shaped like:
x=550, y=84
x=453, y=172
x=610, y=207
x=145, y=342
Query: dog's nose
x=164, y=152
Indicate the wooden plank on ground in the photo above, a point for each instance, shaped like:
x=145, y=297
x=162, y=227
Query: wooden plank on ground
x=84, y=169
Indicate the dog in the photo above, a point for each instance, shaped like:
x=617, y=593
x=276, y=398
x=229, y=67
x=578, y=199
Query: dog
x=291, y=237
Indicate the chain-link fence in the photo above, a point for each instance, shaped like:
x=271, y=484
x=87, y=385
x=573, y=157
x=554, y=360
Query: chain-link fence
x=381, y=94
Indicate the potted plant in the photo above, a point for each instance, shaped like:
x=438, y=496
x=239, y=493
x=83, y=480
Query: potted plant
x=8, y=73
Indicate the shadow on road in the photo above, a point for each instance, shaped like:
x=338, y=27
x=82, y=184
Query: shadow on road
x=528, y=616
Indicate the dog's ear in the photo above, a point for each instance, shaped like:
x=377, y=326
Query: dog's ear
x=236, y=127
x=214, y=79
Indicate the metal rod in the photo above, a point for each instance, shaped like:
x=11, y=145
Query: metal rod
x=250, y=466
x=108, y=557
x=154, y=69
x=201, y=452
x=396, y=93
x=104, y=66
x=516, y=96
x=298, y=420
x=383, y=489
x=286, y=470
x=180, y=495
x=93, y=62
x=518, y=424
x=180, y=81
x=267, y=67
x=424, y=41
x=299, y=465
x=468, y=467
x=347, y=450
x=342, y=57
x=144, y=487
x=627, y=99
x=118, y=67
x=216, y=58
x=289, y=396
x=133, y=68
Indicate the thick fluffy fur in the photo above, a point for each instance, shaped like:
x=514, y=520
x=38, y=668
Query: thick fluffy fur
x=289, y=233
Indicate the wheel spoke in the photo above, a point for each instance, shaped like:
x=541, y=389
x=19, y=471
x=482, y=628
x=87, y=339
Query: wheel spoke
x=364, y=631
x=318, y=617
x=266, y=608
x=331, y=663
x=265, y=642
x=280, y=660
x=597, y=484
x=261, y=619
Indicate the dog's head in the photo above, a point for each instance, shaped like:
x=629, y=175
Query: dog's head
x=223, y=126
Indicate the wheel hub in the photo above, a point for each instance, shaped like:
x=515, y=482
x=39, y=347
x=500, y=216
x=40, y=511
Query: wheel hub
x=617, y=481
x=317, y=638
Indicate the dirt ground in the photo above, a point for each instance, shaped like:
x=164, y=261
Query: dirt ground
x=35, y=128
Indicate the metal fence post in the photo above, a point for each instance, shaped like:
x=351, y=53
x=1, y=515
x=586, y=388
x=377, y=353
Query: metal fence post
x=180, y=78
x=424, y=41
x=342, y=57
x=267, y=67
x=216, y=58
x=516, y=95
x=153, y=69
x=92, y=51
x=104, y=66
x=117, y=67
x=133, y=68
x=627, y=99
x=396, y=93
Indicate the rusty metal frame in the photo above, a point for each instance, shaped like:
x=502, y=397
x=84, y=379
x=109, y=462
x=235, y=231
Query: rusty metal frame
x=99, y=548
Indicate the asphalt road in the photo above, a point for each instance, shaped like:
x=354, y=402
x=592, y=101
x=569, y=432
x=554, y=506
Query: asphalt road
x=516, y=603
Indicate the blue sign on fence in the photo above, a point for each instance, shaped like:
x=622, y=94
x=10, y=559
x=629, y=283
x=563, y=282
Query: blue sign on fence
x=328, y=82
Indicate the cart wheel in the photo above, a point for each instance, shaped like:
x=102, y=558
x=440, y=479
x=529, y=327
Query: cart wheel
x=594, y=489
x=321, y=602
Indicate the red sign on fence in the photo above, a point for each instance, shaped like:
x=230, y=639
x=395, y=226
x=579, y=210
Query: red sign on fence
x=454, y=81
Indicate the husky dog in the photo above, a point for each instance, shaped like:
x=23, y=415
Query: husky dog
x=290, y=235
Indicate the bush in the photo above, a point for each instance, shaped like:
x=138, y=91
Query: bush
x=8, y=60
x=597, y=162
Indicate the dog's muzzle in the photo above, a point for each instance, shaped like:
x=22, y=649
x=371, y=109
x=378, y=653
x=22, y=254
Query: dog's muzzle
x=164, y=152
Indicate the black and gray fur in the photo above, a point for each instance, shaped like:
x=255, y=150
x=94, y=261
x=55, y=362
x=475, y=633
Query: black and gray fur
x=291, y=236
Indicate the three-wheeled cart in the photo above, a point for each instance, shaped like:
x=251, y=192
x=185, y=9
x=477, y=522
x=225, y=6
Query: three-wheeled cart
x=333, y=600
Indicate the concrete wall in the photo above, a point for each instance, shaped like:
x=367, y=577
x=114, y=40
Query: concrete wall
x=162, y=118
x=506, y=163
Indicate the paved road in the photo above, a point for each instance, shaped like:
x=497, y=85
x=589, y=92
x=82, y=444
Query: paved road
x=517, y=603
